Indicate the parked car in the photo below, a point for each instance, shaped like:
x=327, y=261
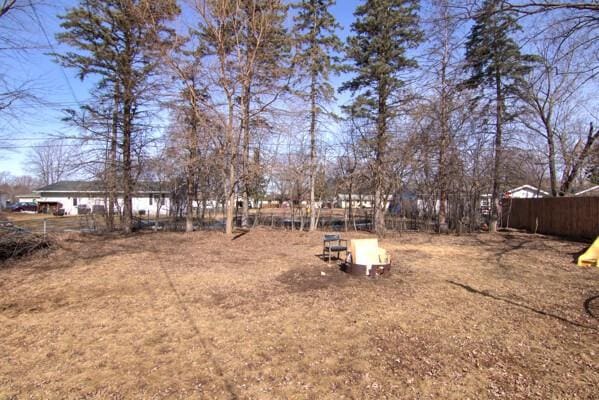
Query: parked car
x=24, y=207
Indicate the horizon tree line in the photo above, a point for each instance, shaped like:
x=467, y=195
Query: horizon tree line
x=442, y=102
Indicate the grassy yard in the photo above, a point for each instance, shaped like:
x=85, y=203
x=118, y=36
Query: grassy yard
x=169, y=315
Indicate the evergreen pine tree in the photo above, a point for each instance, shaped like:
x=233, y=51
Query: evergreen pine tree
x=119, y=42
x=317, y=45
x=494, y=61
x=383, y=32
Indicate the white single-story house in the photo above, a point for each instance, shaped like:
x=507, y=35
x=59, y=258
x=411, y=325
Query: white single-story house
x=27, y=198
x=593, y=191
x=521, y=192
x=358, y=200
x=268, y=203
x=210, y=204
x=525, y=192
x=78, y=197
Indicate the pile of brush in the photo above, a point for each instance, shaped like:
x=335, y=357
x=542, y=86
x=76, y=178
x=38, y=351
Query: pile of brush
x=16, y=242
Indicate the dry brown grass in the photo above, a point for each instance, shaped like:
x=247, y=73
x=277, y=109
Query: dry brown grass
x=171, y=315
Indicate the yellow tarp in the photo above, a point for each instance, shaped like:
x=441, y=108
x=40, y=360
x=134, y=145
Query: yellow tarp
x=591, y=256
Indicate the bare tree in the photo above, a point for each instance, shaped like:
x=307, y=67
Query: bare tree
x=6, y=6
x=575, y=160
x=51, y=160
x=262, y=47
x=570, y=24
x=553, y=100
x=119, y=42
x=220, y=28
x=185, y=61
x=445, y=103
x=16, y=18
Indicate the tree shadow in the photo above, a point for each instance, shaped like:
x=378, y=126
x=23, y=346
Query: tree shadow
x=587, y=306
x=577, y=254
x=509, y=245
x=241, y=232
x=188, y=317
x=524, y=306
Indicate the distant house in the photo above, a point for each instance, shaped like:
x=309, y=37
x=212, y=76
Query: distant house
x=590, y=192
x=520, y=192
x=27, y=198
x=78, y=197
x=358, y=200
x=525, y=192
x=4, y=199
x=268, y=202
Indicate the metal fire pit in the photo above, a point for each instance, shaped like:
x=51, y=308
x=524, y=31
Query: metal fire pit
x=375, y=271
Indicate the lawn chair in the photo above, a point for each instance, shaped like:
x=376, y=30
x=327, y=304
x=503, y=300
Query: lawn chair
x=332, y=243
x=365, y=257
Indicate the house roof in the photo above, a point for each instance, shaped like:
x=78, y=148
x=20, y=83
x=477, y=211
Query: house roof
x=586, y=191
x=98, y=187
x=528, y=187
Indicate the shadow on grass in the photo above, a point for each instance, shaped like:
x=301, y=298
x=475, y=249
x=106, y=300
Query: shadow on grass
x=577, y=254
x=510, y=244
x=329, y=277
x=325, y=258
x=187, y=316
x=240, y=233
x=524, y=306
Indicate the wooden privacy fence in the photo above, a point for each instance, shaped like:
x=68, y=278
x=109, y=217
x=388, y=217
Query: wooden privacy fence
x=563, y=216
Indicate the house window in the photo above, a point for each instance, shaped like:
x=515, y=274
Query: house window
x=74, y=201
x=150, y=199
x=162, y=199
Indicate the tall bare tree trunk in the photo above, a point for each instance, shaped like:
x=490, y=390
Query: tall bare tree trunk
x=495, y=196
x=443, y=148
x=112, y=169
x=350, y=211
x=313, y=116
x=127, y=164
x=191, y=164
x=551, y=152
x=552, y=167
x=246, y=174
x=381, y=145
x=230, y=168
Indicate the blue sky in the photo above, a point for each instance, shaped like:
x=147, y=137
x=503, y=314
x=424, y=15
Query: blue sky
x=58, y=87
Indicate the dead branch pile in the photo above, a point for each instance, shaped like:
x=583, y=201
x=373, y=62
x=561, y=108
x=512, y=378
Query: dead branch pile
x=17, y=243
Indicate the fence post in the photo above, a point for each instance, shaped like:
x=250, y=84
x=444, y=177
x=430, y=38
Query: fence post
x=45, y=228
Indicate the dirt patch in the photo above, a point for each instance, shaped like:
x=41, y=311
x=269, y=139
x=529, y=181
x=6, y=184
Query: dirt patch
x=306, y=280
x=169, y=315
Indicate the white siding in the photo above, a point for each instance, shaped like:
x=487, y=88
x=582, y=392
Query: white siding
x=525, y=194
x=138, y=203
